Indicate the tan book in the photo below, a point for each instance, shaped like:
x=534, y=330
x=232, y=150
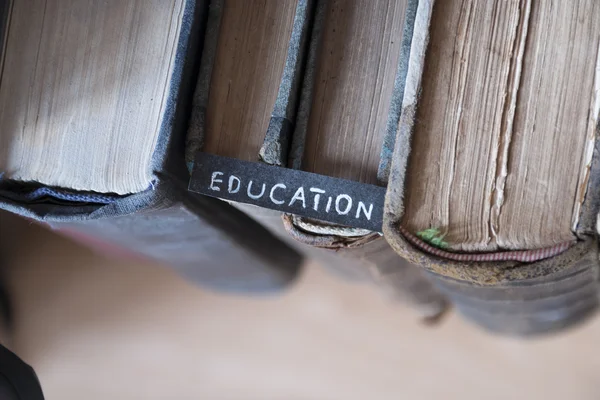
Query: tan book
x=84, y=90
x=506, y=123
x=355, y=69
x=495, y=152
x=95, y=98
x=346, y=126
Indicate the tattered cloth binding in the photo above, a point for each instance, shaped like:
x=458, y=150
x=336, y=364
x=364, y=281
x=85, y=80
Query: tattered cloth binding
x=512, y=291
x=264, y=188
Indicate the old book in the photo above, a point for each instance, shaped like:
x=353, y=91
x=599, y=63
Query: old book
x=351, y=94
x=355, y=68
x=251, y=85
x=94, y=105
x=506, y=122
x=246, y=93
x=85, y=86
x=245, y=100
x=495, y=152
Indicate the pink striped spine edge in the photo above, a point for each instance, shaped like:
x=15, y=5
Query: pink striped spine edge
x=525, y=256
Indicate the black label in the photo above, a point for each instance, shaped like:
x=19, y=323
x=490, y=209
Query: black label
x=339, y=201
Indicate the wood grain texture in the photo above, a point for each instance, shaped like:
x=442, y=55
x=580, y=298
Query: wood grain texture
x=357, y=64
x=83, y=91
x=251, y=54
x=503, y=122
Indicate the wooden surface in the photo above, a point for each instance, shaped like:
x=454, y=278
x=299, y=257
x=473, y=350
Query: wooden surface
x=101, y=329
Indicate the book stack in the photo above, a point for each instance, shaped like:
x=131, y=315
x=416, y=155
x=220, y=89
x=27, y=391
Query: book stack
x=445, y=150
